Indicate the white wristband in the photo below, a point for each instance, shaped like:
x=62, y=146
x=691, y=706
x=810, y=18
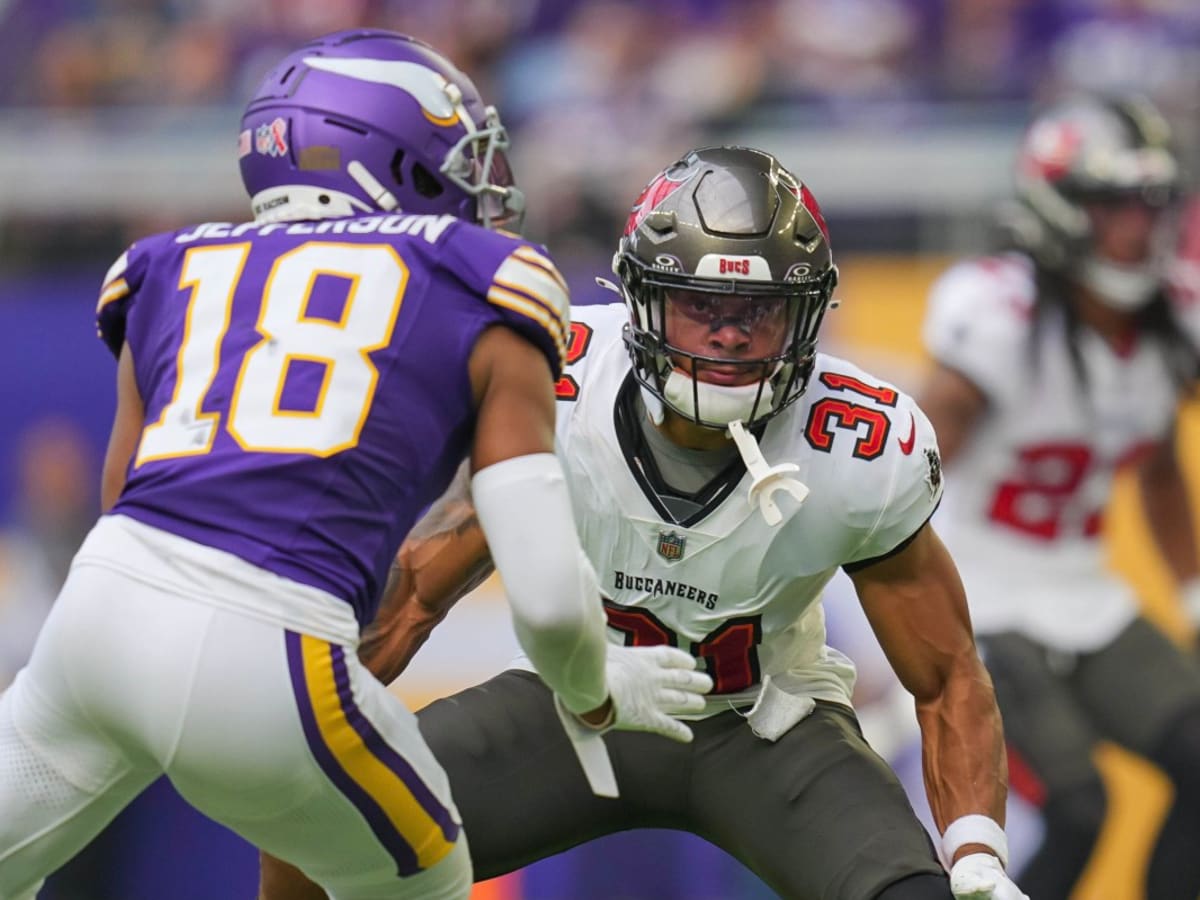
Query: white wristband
x=1189, y=596
x=975, y=829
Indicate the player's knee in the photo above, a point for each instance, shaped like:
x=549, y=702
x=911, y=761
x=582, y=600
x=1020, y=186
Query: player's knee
x=1074, y=817
x=1178, y=754
x=926, y=886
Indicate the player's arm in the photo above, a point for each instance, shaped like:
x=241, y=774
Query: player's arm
x=1168, y=507
x=954, y=405
x=519, y=486
x=917, y=608
x=126, y=431
x=444, y=558
x=524, y=509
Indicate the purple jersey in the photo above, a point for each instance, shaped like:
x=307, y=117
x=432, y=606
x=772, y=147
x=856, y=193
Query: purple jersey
x=305, y=384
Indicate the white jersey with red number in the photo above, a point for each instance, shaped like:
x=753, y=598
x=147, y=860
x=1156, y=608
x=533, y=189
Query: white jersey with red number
x=723, y=584
x=1023, y=512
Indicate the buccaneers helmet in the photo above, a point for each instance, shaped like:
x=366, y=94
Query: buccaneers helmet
x=725, y=222
x=368, y=120
x=1093, y=150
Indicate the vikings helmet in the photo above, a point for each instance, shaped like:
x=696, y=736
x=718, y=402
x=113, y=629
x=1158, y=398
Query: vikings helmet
x=368, y=120
x=732, y=222
x=1092, y=150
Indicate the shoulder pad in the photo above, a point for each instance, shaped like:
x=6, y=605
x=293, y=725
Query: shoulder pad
x=528, y=284
x=116, y=294
x=979, y=317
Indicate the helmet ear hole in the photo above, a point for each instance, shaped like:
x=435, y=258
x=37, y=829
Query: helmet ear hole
x=425, y=182
x=397, y=167
x=630, y=277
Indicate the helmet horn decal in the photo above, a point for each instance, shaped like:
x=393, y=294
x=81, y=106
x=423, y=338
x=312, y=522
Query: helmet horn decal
x=426, y=85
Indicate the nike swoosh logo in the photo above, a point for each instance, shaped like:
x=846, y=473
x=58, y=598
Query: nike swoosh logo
x=906, y=447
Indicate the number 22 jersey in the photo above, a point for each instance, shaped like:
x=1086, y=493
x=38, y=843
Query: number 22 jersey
x=1023, y=511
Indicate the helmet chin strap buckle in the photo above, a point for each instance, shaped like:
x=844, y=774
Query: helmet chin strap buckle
x=767, y=479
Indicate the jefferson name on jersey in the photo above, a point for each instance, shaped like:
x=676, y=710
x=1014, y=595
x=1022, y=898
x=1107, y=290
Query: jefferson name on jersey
x=428, y=227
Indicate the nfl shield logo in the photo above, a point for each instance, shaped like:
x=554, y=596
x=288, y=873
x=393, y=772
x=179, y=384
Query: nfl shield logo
x=670, y=545
x=271, y=139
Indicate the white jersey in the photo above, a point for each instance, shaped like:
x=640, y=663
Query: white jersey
x=1023, y=512
x=723, y=584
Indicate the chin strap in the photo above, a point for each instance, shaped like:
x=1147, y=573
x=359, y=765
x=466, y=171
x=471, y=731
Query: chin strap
x=767, y=479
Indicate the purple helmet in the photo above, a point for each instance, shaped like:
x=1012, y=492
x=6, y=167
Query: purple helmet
x=368, y=120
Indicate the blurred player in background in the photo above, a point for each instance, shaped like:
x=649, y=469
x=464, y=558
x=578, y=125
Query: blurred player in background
x=718, y=483
x=1055, y=366
x=292, y=393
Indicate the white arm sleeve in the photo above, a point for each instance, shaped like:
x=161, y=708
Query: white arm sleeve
x=525, y=512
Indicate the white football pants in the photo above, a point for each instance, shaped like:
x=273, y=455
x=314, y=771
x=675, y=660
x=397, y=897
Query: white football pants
x=162, y=656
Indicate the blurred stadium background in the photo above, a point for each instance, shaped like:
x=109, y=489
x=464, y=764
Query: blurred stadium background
x=120, y=118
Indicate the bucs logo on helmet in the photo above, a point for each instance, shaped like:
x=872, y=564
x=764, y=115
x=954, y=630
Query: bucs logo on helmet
x=805, y=196
x=654, y=194
x=1050, y=149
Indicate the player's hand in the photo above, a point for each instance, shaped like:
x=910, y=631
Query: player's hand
x=649, y=685
x=979, y=876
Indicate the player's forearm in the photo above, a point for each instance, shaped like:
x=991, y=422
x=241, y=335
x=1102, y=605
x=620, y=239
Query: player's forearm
x=525, y=510
x=387, y=649
x=1167, y=504
x=443, y=560
x=963, y=747
x=280, y=881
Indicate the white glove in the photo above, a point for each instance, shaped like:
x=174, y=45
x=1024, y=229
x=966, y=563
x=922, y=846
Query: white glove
x=649, y=685
x=979, y=876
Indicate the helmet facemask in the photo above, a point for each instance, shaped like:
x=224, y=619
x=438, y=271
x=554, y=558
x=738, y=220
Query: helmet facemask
x=1128, y=276
x=478, y=165
x=750, y=389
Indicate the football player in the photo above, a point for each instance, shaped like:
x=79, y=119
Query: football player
x=292, y=392
x=1056, y=365
x=721, y=470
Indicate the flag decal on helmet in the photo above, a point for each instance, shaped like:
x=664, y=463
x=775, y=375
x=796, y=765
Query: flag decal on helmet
x=671, y=545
